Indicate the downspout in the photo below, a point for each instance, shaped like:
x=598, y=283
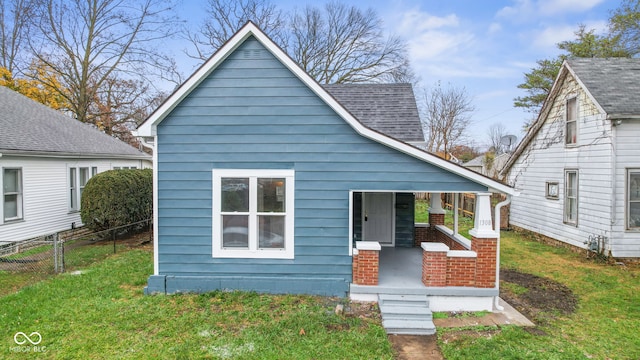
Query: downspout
x=497, y=230
x=614, y=170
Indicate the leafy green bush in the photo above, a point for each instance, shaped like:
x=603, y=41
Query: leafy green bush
x=116, y=198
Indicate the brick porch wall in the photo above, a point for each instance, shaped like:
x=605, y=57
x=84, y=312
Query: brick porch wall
x=366, y=267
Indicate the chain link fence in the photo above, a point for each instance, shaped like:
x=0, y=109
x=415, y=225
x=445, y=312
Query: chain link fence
x=58, y=252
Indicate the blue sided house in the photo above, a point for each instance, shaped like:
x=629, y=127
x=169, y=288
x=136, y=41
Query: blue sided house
x=267, y=181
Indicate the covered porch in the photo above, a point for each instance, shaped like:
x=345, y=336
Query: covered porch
x=453, y=272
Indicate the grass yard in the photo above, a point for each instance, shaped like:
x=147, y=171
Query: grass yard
x=102, y=314
x=605, y=324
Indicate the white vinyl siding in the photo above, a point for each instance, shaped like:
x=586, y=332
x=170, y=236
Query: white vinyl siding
x=545, y=160
x=253, y=213
x=45, y=192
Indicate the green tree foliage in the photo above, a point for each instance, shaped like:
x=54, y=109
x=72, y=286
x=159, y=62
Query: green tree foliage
x=624, y=24
x=116, y=198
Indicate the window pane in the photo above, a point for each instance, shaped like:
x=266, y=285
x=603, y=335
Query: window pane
x=571, y=133
x=72, y=177
x=10, y=206
x=572, y=210
x=271, y=196
x=571, y=109
x=235, y=231
x=271, y=232
x=84, y=176
x=94, y=171
x=634, y=214
x=634, y=186
x=235, y=194
x=11, y=181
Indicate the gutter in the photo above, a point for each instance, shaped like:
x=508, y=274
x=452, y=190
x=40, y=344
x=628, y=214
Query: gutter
x=73, y=155
x=497, y=230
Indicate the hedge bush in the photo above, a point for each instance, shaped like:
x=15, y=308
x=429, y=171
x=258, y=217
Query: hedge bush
x=116, y=198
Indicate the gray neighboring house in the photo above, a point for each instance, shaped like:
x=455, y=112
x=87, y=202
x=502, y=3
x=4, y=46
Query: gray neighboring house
x=479, y=165
x=46, y=158
x=578, y=167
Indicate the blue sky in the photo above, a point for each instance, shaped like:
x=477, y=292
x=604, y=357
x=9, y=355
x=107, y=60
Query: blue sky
x=483, y=46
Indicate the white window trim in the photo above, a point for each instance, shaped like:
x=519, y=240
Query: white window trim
x=253, y=251
x=565, y=197
x=79, y=187
x=566, y=120
x=627, y=191
x=19, y=198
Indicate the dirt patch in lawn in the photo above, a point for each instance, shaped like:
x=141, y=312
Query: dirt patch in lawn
x=541, y=299
x=415, y=347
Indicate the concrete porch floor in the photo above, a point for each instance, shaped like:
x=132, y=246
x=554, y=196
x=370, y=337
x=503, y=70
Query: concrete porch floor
x=400, y=267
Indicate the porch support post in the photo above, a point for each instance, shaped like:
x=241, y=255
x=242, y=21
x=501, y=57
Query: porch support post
x=436, y=215
x=366, y=263
x=484, y=241
x=434, y=264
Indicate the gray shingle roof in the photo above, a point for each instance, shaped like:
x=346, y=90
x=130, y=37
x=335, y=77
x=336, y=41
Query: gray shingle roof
x=27, y=126
x=614, y=83
x=387, y=108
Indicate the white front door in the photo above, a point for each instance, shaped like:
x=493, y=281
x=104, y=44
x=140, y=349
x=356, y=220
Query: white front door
x=378, y=218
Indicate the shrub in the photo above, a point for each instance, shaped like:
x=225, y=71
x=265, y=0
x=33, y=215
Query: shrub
x=116, y=198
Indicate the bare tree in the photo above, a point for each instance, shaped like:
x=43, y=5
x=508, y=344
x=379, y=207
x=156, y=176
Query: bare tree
x=14, y=29
x=344, y=44
x=334, y=44
x=225, y=17
x=496, y=132
x=90, y=43
x=446, y=114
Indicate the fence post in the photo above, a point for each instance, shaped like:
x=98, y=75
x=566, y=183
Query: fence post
x=55, y=253
x=61, y=250
x=113, y=236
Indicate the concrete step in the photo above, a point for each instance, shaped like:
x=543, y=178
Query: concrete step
x=403, y=300
x=409, y=327
x=406, y=314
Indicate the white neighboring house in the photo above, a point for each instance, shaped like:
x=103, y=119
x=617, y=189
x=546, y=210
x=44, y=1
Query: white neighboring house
x=578, y=167
x=46, y=158
x=492, y=170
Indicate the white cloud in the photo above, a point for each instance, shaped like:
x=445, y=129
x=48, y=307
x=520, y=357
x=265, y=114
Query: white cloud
x=494, y=28
x=554, y=7
x=528, y=10
x=434, y=44
x=414, y=20
x=548, y=37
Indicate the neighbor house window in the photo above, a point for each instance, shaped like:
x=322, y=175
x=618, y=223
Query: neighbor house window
x=253, y=213
x=571, y=125
x=633, y=199
x=552, y=191
x=12, y=194
x=78, y=178
x=571, y=197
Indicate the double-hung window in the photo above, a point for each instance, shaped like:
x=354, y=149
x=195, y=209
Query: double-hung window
x=78, y=178
x=253, y=213
x=12, y=194
x=571, y=122
x=571, y=197
x=633, y=199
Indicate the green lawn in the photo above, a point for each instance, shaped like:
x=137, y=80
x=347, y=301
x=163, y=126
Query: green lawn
x=102, y=314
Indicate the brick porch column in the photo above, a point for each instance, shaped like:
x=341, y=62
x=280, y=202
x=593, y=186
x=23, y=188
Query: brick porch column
x=436, y=215
x=434, y=264
x=366, y=263
x=484, y=241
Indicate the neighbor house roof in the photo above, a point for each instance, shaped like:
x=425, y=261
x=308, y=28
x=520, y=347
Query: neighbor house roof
x=149, y=127
x=28, y=127
x=387, y=108
x=613, y=84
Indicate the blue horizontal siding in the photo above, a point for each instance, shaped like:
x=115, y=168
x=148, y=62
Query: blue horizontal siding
x=252, y=113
